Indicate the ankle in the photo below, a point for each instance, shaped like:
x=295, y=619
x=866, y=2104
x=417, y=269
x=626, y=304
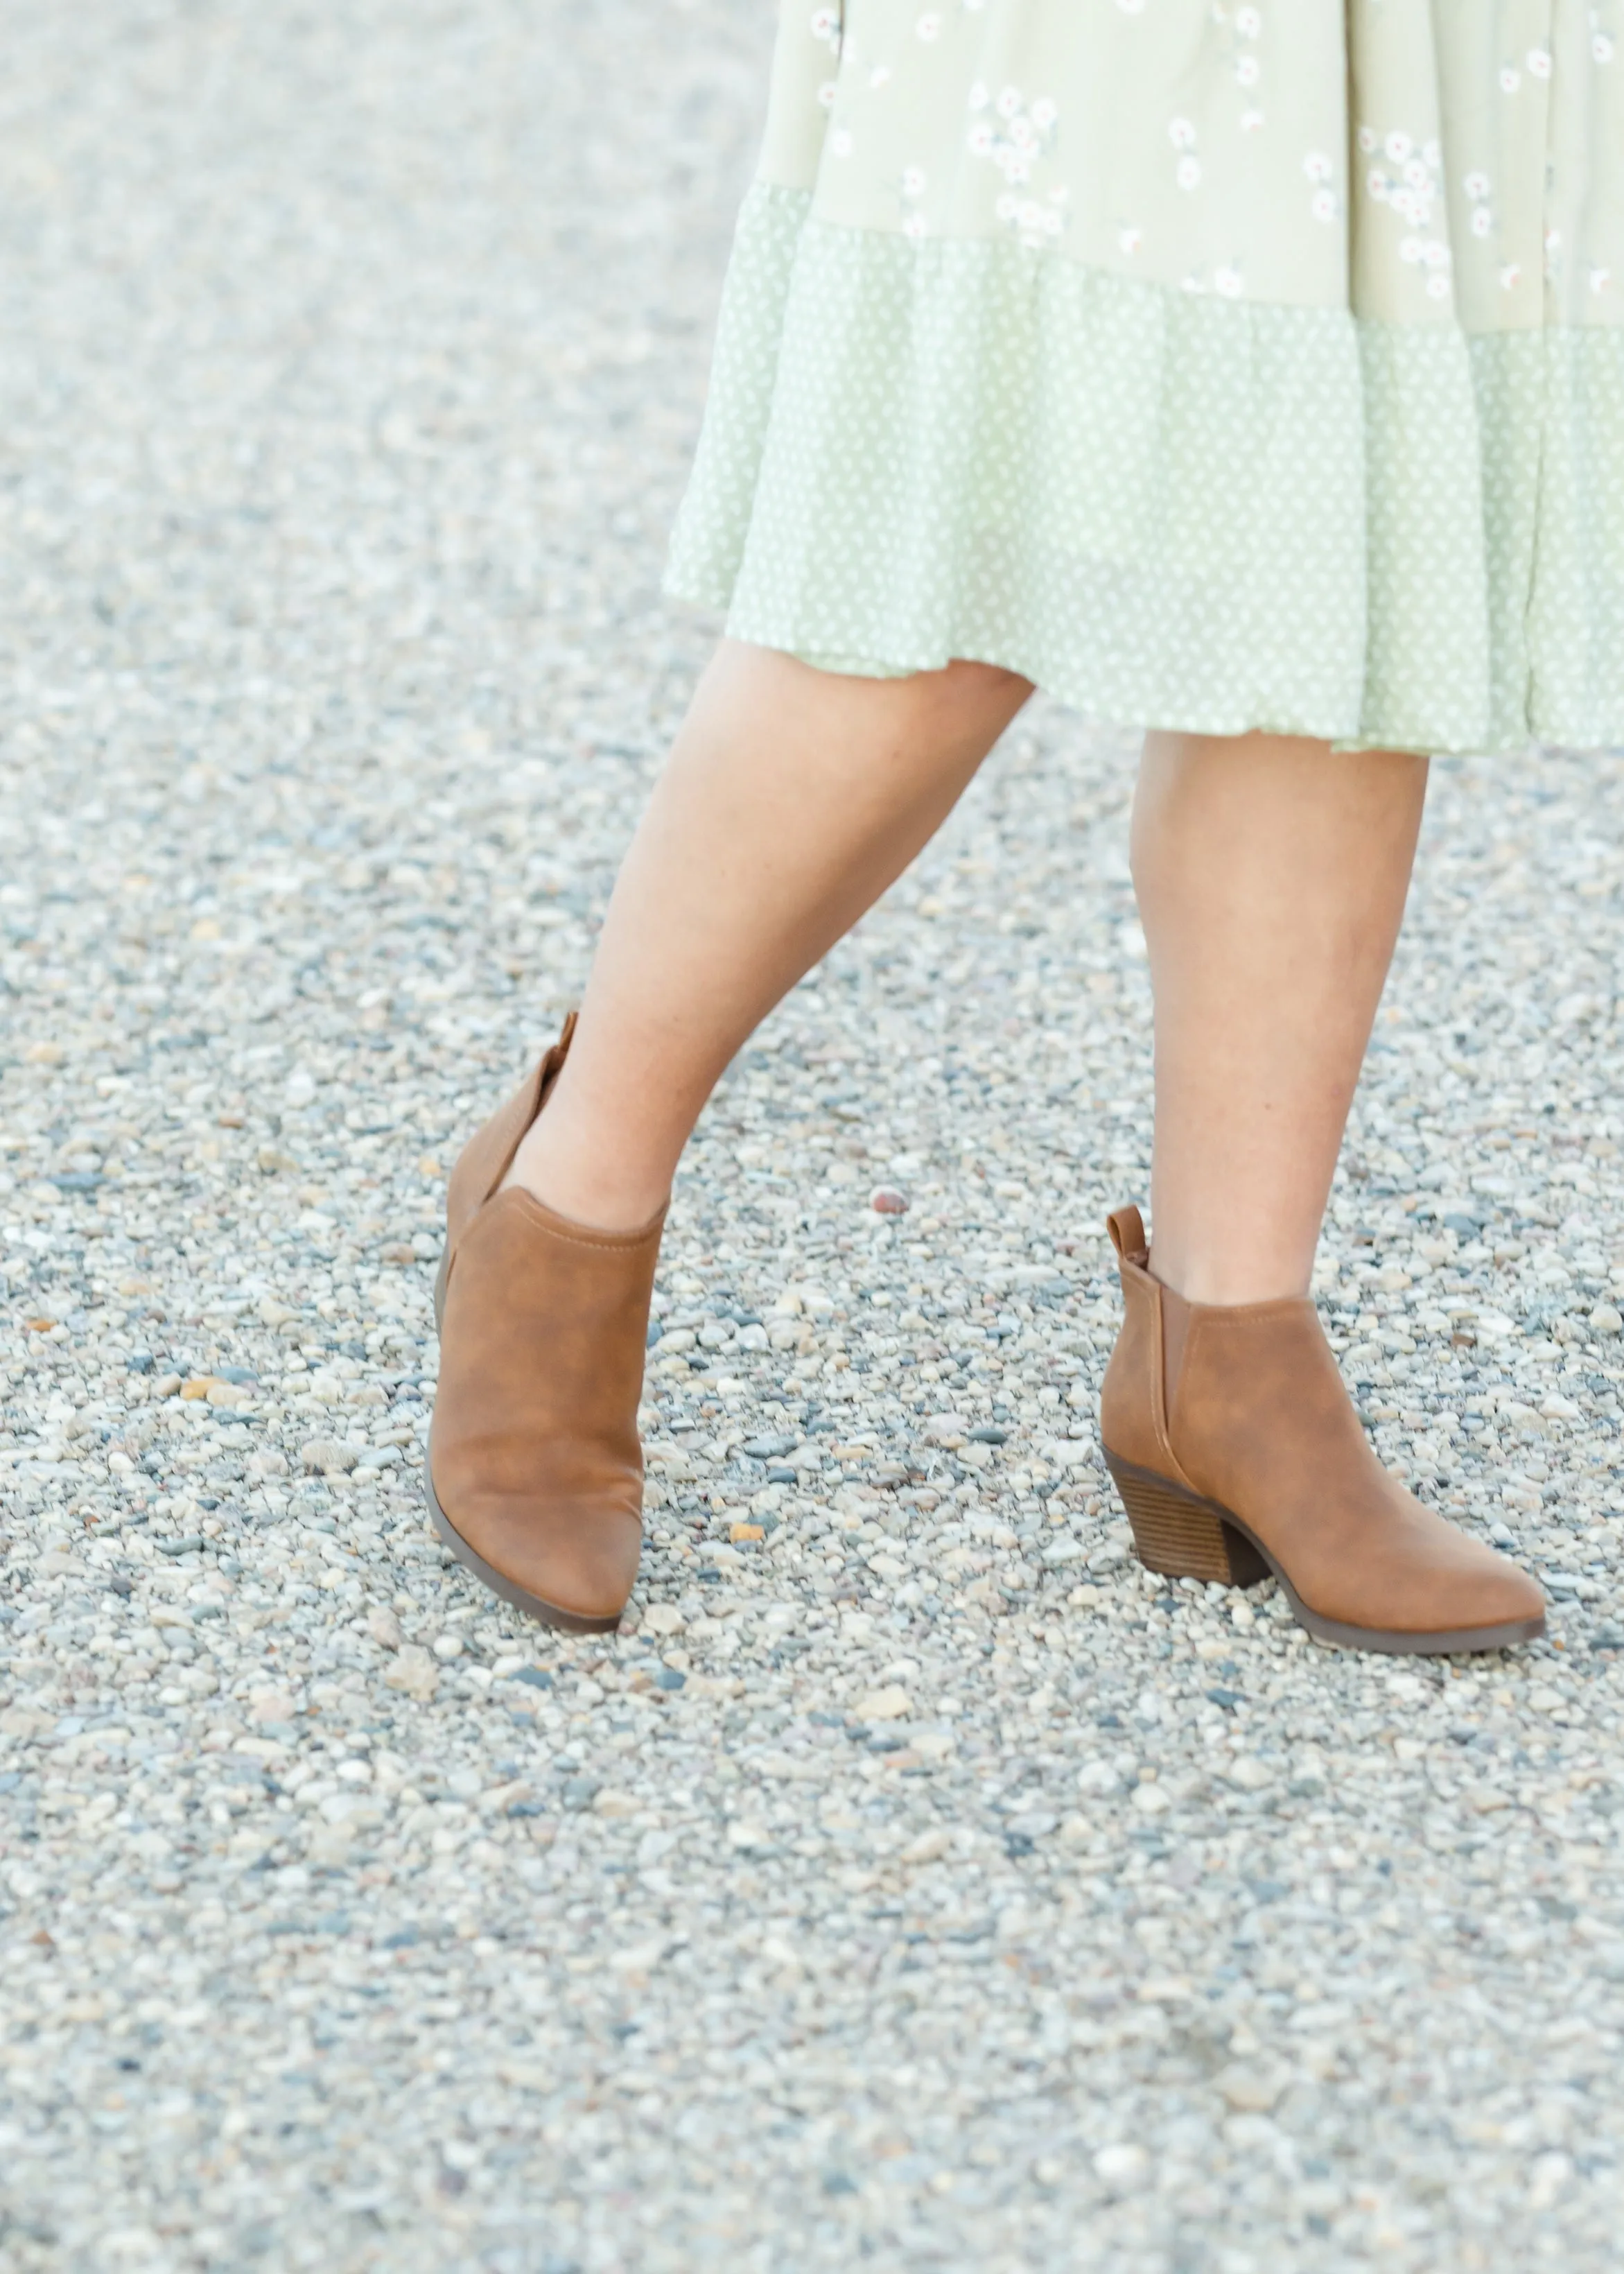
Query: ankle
x=1226, y=1275
x=1232, y=1287
x=589, y=1191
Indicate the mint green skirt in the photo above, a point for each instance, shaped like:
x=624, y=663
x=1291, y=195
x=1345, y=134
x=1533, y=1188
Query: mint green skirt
x=1215, y=365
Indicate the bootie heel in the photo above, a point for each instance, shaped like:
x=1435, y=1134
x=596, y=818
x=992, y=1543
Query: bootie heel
x=1237, y=1453
x=1185, y=1537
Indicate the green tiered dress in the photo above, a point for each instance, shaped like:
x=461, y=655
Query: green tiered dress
x=1215, y=364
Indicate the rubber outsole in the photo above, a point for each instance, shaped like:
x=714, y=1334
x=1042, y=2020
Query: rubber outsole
x=1178, y=1533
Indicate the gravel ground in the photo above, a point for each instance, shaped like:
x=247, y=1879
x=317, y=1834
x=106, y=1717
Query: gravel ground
x=913, y=1879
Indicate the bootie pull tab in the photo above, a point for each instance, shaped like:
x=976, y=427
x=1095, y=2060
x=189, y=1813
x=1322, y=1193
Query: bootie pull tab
x=483, y=1164
x=1126, y=1227
x=553, y=1064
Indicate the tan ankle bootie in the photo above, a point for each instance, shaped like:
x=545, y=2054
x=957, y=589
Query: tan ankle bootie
x=1237, y=1450
x=535, y=1472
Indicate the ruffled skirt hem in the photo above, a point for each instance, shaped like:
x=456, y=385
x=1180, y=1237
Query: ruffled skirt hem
x=1166, y=509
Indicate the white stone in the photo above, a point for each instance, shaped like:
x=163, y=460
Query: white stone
x=414, y=1671
x=1123, y=2167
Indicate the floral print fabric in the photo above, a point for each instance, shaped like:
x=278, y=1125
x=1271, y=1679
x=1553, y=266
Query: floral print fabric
x=1422, y=160
x=1217, y=363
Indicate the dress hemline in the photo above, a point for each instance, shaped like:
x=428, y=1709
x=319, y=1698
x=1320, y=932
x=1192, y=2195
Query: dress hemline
x=1209, y=516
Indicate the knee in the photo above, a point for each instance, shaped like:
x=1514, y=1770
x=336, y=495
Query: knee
x=962, y=677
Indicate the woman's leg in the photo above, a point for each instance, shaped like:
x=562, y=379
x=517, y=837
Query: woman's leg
x=1271, y=875
x=792, y=799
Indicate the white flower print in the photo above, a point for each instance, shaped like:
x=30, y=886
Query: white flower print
x=1407, y=179
x=1035, y=222
x=913, y=226
x=1324, y=205
x=1013, y=139
x=1410, y=181
x=1261, y=161
x=1479, y=192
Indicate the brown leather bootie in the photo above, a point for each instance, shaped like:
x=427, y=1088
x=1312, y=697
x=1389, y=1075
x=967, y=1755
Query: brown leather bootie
x=535, y=1471
x=1237, y=1450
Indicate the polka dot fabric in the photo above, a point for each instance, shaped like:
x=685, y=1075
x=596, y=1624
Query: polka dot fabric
x=1165, y=511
